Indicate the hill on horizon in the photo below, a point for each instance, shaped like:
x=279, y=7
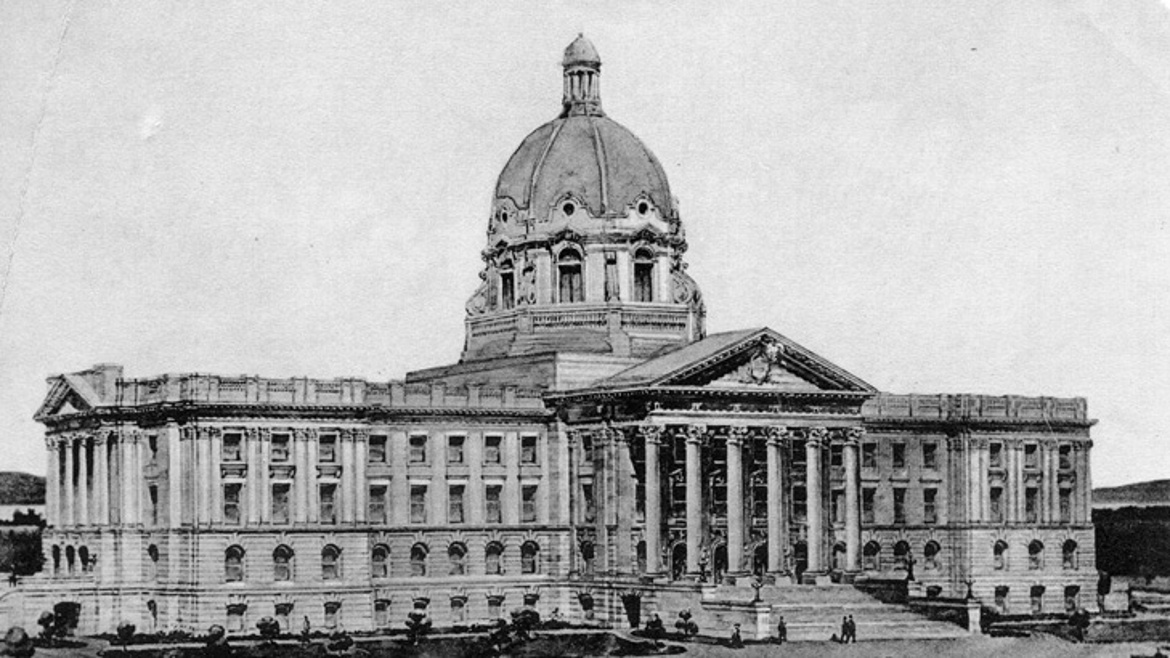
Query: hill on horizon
x=21, y=488
x=1152, y=492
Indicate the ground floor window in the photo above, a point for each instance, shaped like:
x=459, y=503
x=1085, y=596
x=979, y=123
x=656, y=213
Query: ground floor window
x=332, y=615
x=1037, y=599
x=235, y=618
x=381, y=613
x=1001, y=598
x=1072, y=598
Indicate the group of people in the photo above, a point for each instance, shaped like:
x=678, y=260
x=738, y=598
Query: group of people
x=848, y=630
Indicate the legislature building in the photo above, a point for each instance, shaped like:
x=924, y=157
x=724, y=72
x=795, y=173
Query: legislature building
x=594, y=451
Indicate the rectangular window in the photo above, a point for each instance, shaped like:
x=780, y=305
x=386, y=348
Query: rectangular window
x=899, y=455
x=507, y=290
x=492, y=497
x=418, y=503
x=494, y=607
x=381, y=613
x=280, y=493
x=800, y=503
x=838, y=506
x=835, y=455
x=1031, y=504
x=997, y=511
x=899, y=505
x=152, y=493
x=454, y=450
x=455, y=503
x=1066, y=505
x=231, y=503
x=280, y=443
x=528, y=450
x=327, y=448
x=418, y=449
x=152, y=447
x=590, y=506
x=644, y=281
x=1066, y=458
x=1031, y=456
x=332, y=615
x=995, y=455
x=377, y=450
x=458, y=610
x=376, y=513
x=930, y=455
x=528, y=504
x=868, y=497
x=230, y=451
x=587, y=449
x=327, y=503
x=929, y=509
x=491, y=449
x=869, y=455
x=235, y=620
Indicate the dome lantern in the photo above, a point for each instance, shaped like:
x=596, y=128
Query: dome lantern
x=582, y=95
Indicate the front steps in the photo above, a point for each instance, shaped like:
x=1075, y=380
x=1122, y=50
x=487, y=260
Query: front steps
x=811, y=612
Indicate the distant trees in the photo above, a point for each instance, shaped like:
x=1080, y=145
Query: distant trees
x=1133, y=541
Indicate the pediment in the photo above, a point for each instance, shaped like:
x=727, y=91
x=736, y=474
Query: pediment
x=64, y=399
x=759, y=359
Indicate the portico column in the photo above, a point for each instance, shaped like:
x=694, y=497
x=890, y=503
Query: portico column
x=52, y=482
x=734, y=445
x=816, y=512
x=652, y=435
x=101, y=456
x=252, y=476
x=302, y=478
x=125, y=448
x=83, y=481
x=776, y=512
x=852, y=504
x=67, y=497
x=695, y=435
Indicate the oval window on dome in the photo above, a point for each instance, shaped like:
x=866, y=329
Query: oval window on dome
x=643, y=207
x=569, y=208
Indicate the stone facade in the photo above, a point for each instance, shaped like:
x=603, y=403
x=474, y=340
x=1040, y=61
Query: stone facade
x=594, y=451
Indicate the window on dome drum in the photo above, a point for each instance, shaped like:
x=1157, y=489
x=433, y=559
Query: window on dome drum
x=231, y=503
x=491, y=449
x=493, y=555
x=528, y=504
x=418, y=503
x=330, y=563
x=280, y=491
x=899, y=455
x=418, y=560
x=1031, y=456
x=1035, y=555
x=996, y=500
x=1068, y=553
x=381, y=613
x=454, y=450
x=929, y=455
x=233, y=564
x=611, y=277
x=327, y=448
x=230, y=449
x=1000, y=555
x=643, y=207
x=380, y=562
x=377, y=451
x=528, y=449
x=327, y=504
x=529, y=555
x=1037, y=599
x=418, y=449
x=455, y=503
x=995, y=455
x=570, y=283
x=929, y=508
x=643, y=275
x=1065, y=505
x=492, y=500
x=869, y=455
x=282, y=563
x=1066, y=458
x=457, y=559
x=507, y=289
x=1031, y=504
x=899, y=505
x=280, y=443
x=376, y=512
x=867, y=505
x=569, y=208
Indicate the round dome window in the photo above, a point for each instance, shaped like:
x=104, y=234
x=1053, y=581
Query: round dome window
x=569, y=208
x=643, y=207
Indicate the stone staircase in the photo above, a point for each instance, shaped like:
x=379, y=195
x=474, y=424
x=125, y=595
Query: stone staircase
x=811, y=612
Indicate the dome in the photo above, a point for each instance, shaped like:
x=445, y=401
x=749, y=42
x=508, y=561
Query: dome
x=581, y=51
x=594, y=159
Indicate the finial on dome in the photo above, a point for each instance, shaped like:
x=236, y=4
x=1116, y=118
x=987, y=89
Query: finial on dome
x=582, y=79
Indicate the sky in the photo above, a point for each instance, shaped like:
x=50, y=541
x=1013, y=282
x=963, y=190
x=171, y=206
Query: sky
x=938, y=197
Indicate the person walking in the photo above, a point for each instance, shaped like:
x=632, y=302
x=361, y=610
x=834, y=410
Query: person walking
x=736, y=639
x=781, y=631
x=852, y=630
x=844, y=637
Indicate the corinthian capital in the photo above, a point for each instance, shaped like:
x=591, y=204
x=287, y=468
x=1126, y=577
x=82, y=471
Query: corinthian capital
x=817, y=436
x=651, y=434
x=777, y=434
x=736, y=435
x=854, y=435
x=696, y=433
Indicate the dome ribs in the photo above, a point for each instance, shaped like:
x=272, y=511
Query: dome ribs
x=602, y=164
x=552, y=138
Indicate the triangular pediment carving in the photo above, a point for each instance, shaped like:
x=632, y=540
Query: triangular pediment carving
x=63, y=400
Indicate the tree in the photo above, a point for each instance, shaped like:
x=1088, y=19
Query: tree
x=418, y=624
x=17, y=643
x=46, y=622
x=269, y=628
x=126, y=633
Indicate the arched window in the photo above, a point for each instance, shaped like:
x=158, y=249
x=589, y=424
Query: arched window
x=1069, y=554
x=640, y=554
x=83, y=558
x=902, y=555
x=70, y=558
x=587, y=556
x=152, y=553
x=1035, y=555
x=380, y=561
x=457, y=559
x=529, y=557
x=282, y=563
x=233, y=564
x=569, y=275
x=643, y=276
x=930, y=556
x=507, y=285
x=1000, y=552
x=330, y=562
x=56, y=558
x=871, y=554
x=492, y=559
x=418, y=560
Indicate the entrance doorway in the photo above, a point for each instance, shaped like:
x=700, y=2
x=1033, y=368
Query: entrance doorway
x=678, y=561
